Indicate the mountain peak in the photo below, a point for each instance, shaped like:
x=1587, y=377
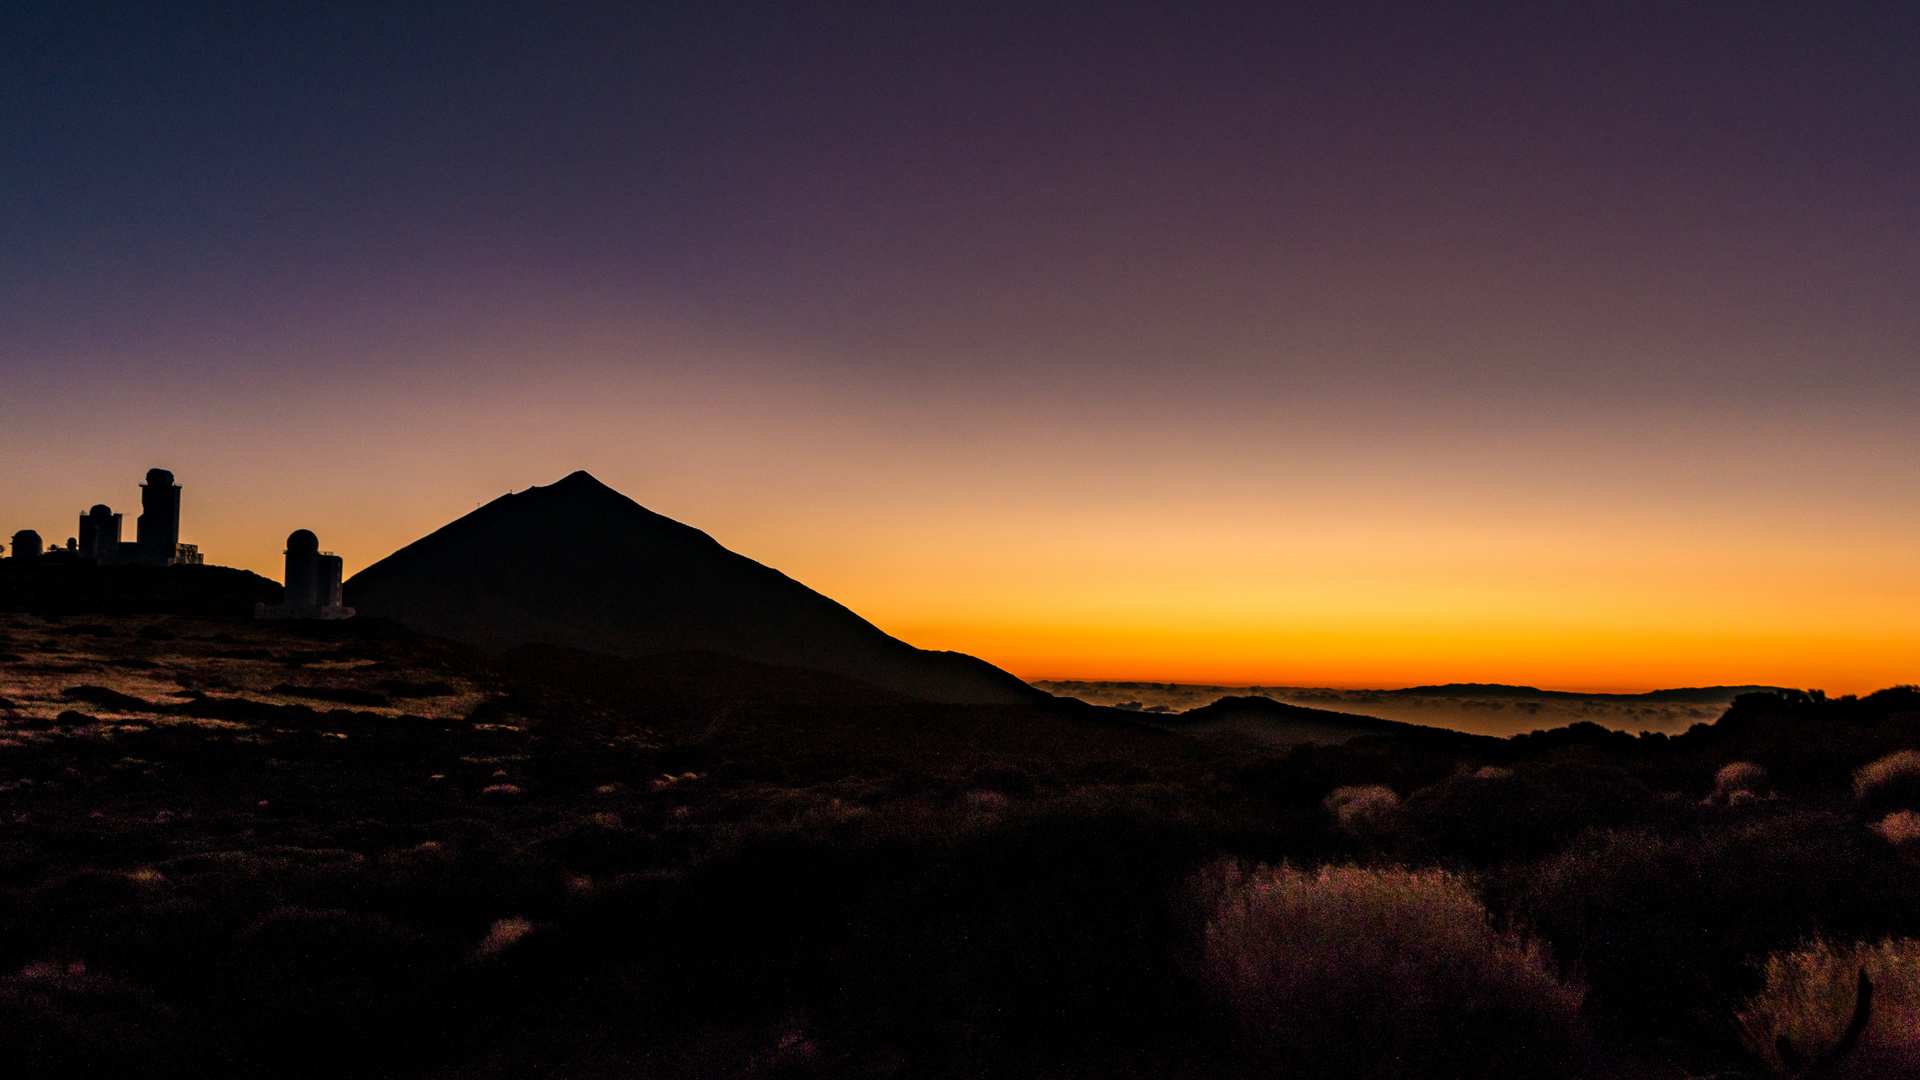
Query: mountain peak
x=580, y=565
x=579, y=478
x=577, y=484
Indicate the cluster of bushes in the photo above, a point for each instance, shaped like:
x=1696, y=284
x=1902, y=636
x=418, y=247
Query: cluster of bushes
x=1724, y=887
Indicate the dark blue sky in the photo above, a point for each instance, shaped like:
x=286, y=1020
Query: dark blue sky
x=911, y=177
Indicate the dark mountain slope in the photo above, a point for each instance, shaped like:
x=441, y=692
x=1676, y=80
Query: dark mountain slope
x=578, y=564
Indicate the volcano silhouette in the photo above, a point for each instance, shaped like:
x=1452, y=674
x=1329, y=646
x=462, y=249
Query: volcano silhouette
x=578, y=564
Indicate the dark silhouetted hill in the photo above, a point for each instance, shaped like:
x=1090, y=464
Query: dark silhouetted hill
x=578, y=564
x=76, y=587
x=1281, y=724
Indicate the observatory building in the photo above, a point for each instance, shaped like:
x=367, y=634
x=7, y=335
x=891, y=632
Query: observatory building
x=157, y=539
x=100, y=535
x=157, y=532
x=313, y=583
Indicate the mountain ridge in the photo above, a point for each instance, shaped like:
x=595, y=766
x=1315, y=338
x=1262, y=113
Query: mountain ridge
x=1676, y=694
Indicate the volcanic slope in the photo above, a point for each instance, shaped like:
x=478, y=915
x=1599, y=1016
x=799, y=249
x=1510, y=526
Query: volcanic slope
x=578, y=564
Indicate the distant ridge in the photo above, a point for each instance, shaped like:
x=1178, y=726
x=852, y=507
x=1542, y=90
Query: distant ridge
x=577, y=564
x=1278, y=722
x=1267, y=708
x=1684, y=695
x=1483, y=708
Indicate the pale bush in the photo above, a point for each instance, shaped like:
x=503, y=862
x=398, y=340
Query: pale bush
x=1364, y=810
x=1898, y=769
x=1737, y=782
x=1351, y=971
x=1808, y=1001
x=502, y=934
x=1900, y=828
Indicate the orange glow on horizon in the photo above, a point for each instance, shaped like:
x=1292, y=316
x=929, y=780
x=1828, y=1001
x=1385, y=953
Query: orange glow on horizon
x=1387, y=656
x=1399, y=544
x=1389, y=661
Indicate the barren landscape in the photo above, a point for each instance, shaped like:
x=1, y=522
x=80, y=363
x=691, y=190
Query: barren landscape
x=246, y=848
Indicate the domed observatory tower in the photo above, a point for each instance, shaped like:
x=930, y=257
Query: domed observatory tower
x=157, y=529
x=100, y=535
x=313, y=583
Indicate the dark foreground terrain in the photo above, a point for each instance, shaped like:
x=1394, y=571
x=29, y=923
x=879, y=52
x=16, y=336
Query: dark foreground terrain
x=231, y=848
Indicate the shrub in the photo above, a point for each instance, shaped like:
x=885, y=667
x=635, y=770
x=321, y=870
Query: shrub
x=59, y=1019
x=1737, y=782
x=318, y=984
x=1661, y=926
x=1364, y=811
x=1054, y=923
x=1497, y=815
x=1803, y=1012
x=1356, y=972
x=600, y=844
x=1891, y=783
x=502, y=934
x=1899, y=828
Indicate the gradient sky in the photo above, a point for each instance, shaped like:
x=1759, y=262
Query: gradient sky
x=1345, y=344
